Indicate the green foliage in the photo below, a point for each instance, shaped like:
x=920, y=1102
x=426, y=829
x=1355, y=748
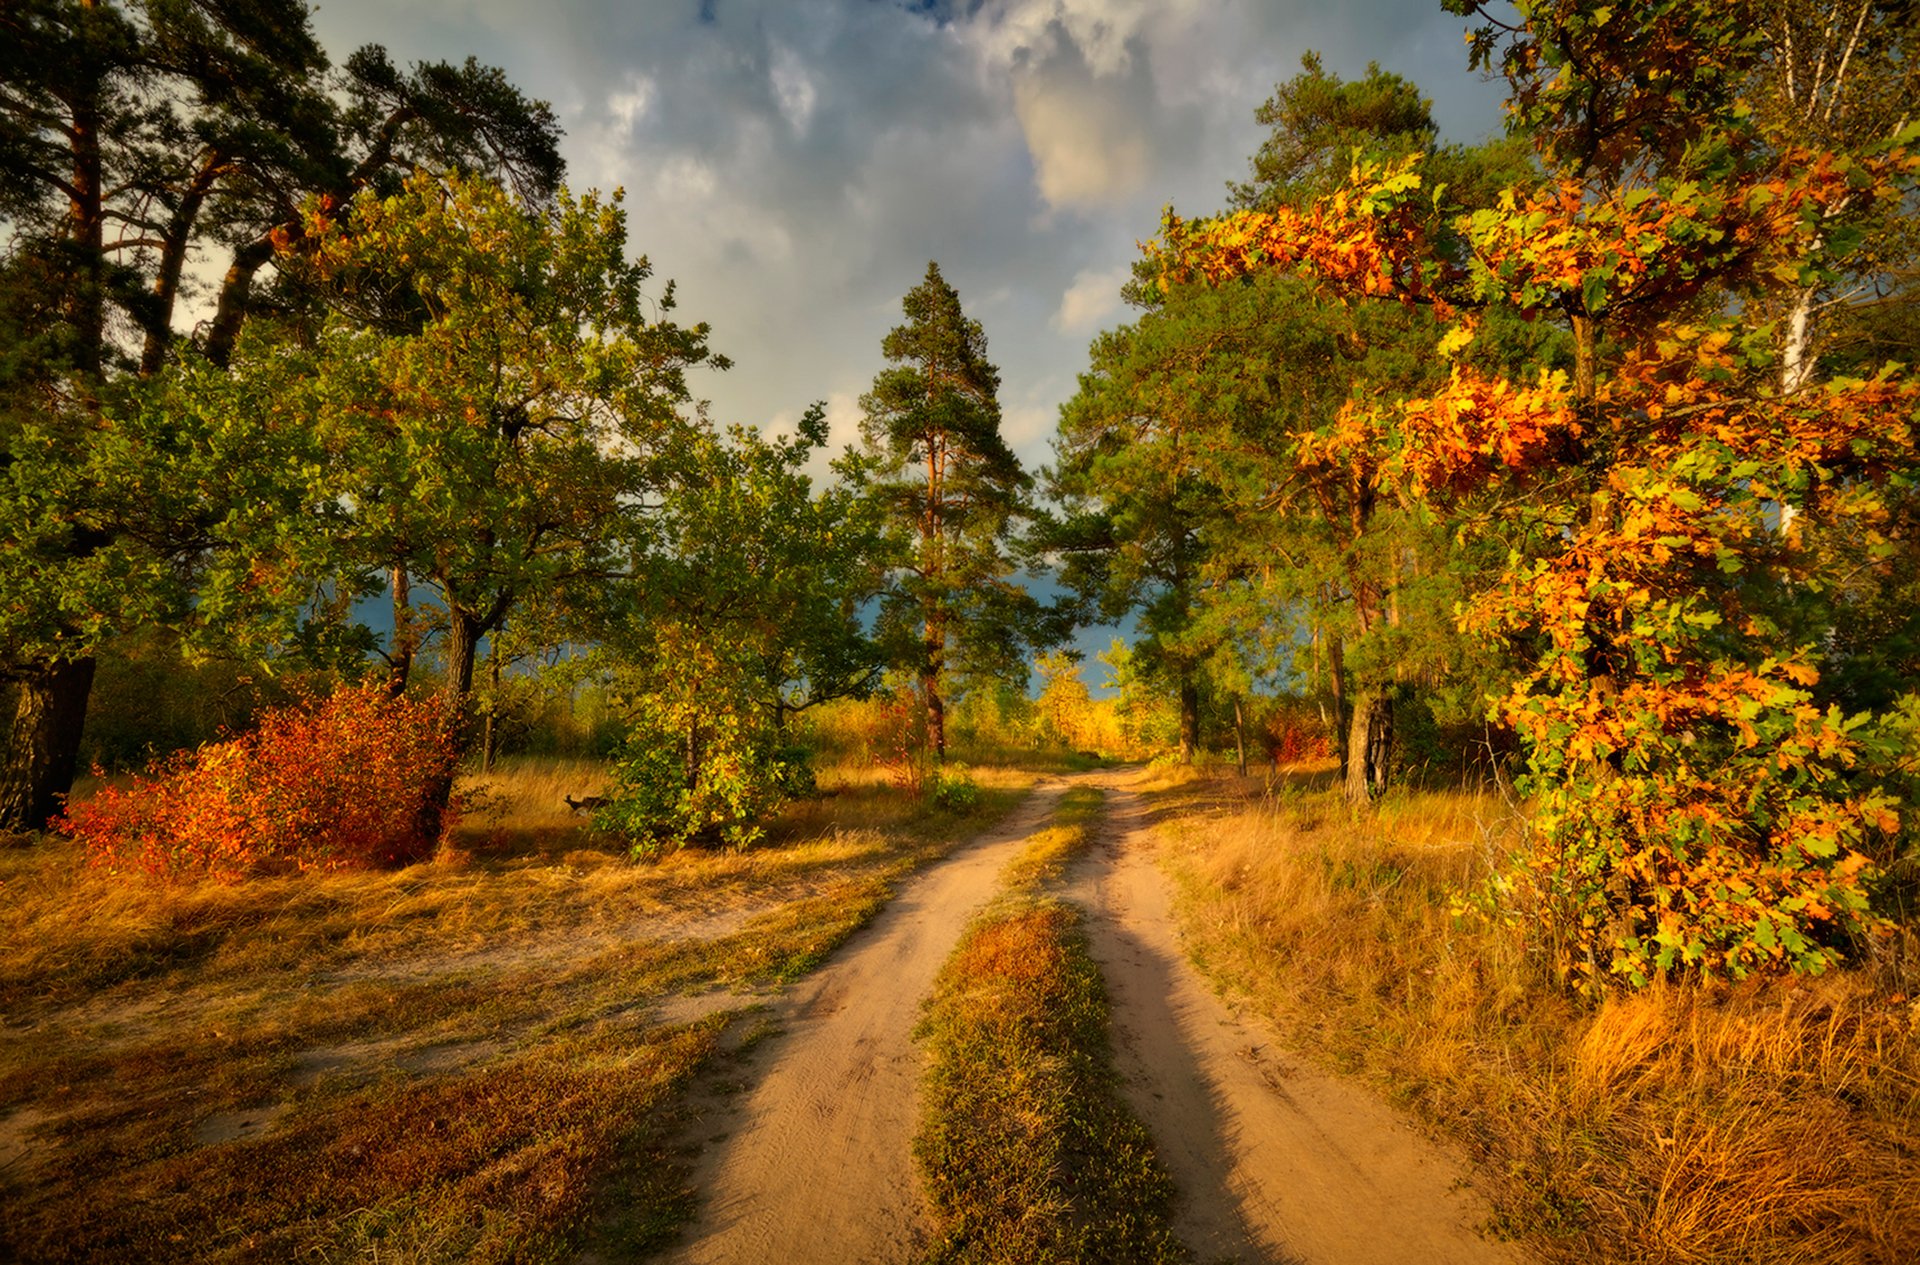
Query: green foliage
x=1316, y=123
x=695, y=765
x=133, y=135
x=951, y=492
x=739, y=612
x=493, y=438
x=955, y=790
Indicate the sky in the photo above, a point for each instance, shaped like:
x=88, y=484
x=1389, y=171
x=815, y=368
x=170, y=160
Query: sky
x=793, y=165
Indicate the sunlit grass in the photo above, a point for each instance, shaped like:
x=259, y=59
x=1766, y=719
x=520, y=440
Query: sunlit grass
x=1028, y=1147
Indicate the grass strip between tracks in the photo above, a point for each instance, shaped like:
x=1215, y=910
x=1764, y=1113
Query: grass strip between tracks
x=1028, y=1147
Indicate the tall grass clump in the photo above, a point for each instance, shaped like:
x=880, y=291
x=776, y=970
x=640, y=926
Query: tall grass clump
x=1773, y=1120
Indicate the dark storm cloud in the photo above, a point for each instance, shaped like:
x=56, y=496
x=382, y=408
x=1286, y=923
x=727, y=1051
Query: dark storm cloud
x=794, y=165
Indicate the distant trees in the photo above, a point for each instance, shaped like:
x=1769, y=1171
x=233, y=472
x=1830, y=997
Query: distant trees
x=952, y=492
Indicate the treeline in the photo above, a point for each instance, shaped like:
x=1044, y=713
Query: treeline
x=432, y=376
x=1600, y=436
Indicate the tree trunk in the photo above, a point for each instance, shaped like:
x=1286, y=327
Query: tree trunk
x=1189, y=719
x=1337, y=662
x=490, y=731
x=49, y=712
x=1368, y=745
x=236, y=294
x=936, y=716
x=1240, y=734
x=463, y=640
x=405, y=638
x=1585, y=352
x=1796, y=368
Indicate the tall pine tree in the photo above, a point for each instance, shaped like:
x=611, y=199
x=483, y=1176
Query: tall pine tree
x=953, y=490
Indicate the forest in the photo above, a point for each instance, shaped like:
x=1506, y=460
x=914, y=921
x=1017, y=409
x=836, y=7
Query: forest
x=1519, y=542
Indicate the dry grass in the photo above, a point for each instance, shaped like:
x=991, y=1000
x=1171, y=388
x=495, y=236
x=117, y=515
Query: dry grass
x=465, y=1059
x=1776, y=1121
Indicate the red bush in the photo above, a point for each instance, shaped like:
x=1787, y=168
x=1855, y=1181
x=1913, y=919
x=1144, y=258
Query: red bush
x=1294, y=738
x=334, y=783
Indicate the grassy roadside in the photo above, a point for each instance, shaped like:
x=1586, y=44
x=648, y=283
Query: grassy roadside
x=1773, y=1121
x=1029, y=1150
x=472, y=1059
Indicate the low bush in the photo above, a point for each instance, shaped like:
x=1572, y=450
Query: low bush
x=333, y=783
x=955, y=790
x=698, y=770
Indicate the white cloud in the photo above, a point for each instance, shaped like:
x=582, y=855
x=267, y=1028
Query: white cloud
x=629, y=105
x=1091, y=299
x=1086, y=149
x=793, y=89
x=1026, y=427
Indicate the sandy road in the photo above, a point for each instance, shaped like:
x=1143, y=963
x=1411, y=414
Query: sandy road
x=1275, y=1160
x=816, y=1164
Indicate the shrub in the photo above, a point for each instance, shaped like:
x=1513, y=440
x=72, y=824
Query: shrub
x=1293, y=735
x=340, y=782
x=691, y=769
x=955, y=790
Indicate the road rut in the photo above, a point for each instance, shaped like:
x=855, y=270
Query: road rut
x=1275, y=1160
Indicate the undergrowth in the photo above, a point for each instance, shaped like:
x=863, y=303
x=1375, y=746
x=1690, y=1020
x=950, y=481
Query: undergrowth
x=1773, y=1121
x=1029, y=1150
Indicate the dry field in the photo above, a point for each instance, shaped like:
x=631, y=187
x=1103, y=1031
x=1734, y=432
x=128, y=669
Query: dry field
x=476, y=1058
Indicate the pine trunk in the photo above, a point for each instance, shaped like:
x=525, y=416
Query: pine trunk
x=1337, y=662
x=1189, y=720
x=936, y=716
x=1369, y=743
x=49, y=712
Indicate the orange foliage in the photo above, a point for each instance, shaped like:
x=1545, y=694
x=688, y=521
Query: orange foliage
x=1695, y=808
x=332, y=784
x=1365, y=240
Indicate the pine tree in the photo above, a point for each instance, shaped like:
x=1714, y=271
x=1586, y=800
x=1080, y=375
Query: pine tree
x=953, y=491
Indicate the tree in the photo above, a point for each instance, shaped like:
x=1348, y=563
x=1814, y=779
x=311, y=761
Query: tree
x=742, y=609
x=493, y=450
x=1694, y=810
x=1205, y=435
x=132, y=133
x=953, y=490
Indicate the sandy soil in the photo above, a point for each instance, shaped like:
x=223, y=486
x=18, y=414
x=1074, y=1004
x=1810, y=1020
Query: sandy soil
x=1275, y=1160
x=815, y=1162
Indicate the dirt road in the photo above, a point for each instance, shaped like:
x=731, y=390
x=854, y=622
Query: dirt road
x=1275, y=1161
x=816, y=1162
